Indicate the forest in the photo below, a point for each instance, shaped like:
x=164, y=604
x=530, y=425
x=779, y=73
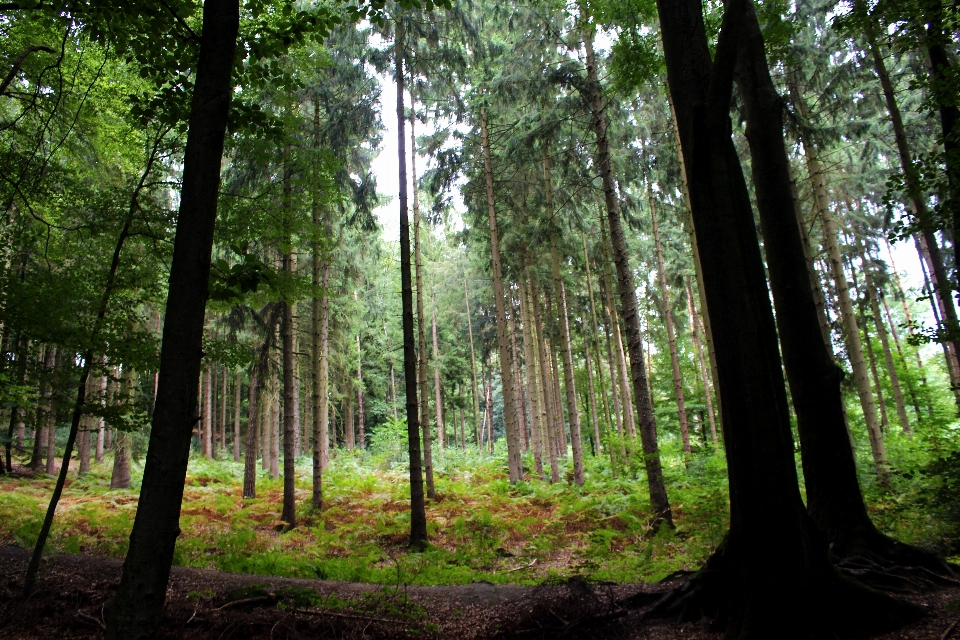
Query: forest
x=474, y=319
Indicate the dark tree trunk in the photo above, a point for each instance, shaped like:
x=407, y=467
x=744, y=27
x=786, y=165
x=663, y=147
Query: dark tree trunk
x=138, y=606
x=290, y=426
x=250, y=450
x=834, y=499
x=418, y=514
x=803, y=596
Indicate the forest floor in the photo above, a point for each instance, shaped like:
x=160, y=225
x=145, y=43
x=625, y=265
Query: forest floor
x=74, y=593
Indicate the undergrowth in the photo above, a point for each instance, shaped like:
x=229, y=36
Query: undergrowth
x=481, y=528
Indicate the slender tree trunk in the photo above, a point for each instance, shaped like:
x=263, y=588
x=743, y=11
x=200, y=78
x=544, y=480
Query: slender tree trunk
x=250, y=451
x=441, y=434
x=545, y=385
x=668, y=321
x=591, y=398
x=425, y=421
x=506, y=373
x=289, y=513
x=473, y=361
x=533, y=389
x=276, y=430
x=208, y=413
x=418, y=517
x=915, y=190
x=595, y=332
x=698, y=347
x=660, y=505
x=872, y=294
x=512, y=325
x=361, y=428
x=236, y=418
x=101, y=431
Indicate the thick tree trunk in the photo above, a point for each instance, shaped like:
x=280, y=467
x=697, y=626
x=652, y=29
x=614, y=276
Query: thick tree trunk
x=668, y=321
x=418, y=516
x=659, y=503
x=506, y=373
x=138, y=605
x=834, y=500
x=768, y=518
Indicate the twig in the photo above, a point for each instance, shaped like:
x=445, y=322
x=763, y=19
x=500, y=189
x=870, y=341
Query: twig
x=237, y=603
x=349, y=616
x=523, y=566
x=89, y=617
x=950, y=629
x=194, y=614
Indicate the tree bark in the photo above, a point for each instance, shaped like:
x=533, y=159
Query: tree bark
x=473, y=362
x=250, y=451
x=698, y=346
x=594, y=333
x=668, y=321
x=441, y=434
x=764, y=490
x=138, y=605
x=238, y=386
x=506, y=373
x=289, y=513
x=659, y=503
x=533, y=388
x=418, y=516
x=421, y=327
x=545, y=384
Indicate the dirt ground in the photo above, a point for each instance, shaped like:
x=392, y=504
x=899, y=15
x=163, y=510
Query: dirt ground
x=73, y=597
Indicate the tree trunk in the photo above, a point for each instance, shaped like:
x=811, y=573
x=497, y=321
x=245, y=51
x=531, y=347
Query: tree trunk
x=659, y=503
x=289, y=513
x=473, y=362
x=506, y=372
x=668, y=320
x=533, y=389
x=250, y=451
x=591, y=398
x=361, y=428
x=698, y=347
x=236, y=418
x=441, y=434
x=872, y=293
x=546, y=404
x=764, y=491
x=594, y=333
x=421, y=326
x=418, y=517
x=915, y=189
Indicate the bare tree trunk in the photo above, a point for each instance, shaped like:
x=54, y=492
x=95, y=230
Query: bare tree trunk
x=236, y=418
x=546, y=386
x=512, y=325
x=120, y=479
x=595, y=332
x=100, y=422
x=707, y=391
x=848, y=316
x=275, y=429
x=473, y=362
x=421, y=328
x=418, y=517
x=506, y=372
x=536, y=417
x=289, y=513
x=250, y=451
x=591, y=398
x=51, y=417
x=872, y=293
x=441, y=434
x=628, y=300
x=361, y=429
x=208, y=413
x=668, y=320
x=349, y=433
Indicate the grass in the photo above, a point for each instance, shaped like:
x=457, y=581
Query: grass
x=481, y=527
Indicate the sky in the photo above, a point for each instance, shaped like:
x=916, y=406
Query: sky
x=386, y=168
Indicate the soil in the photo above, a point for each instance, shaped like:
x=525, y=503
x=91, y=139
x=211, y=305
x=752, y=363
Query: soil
x=73, y=597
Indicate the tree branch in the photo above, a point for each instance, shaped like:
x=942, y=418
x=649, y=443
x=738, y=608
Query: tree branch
x=16, y=65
